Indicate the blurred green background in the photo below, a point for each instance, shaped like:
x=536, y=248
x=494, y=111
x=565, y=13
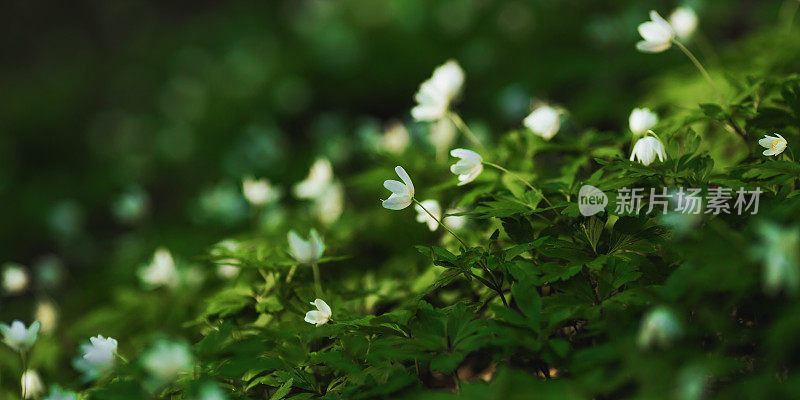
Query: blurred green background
x=128, y=125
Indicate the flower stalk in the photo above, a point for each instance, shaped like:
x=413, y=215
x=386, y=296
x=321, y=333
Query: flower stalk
x=463, y=243
x=462, y=126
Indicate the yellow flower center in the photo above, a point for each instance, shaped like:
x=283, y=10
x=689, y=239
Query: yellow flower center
x=775, y=144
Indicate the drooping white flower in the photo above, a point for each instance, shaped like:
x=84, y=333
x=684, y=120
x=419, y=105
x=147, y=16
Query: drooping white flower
x=659, y=328
x=47, y=315
x=455, y=222
x=423, y=217
x=317, y=181
x=544, y=121
x=56, y=393
x=161, y=270
x=395, y=139
x=435, y=95
x=684, y=22
x=306, y=251
x=642, y=120
x=18, y=337
x=647, y=149
x=15, y=278
x=165, y=360
x=321, y=315
x=657, y=34
x=259, y=191
x=468, y=167
x=780, y=252
x=100, y=351
x=32, y=385
x=402, y=192
x=774, y=144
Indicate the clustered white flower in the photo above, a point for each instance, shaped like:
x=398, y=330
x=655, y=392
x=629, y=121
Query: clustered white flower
x=402, y=192
x=321, y=315
x=306, y=251
x=544, y=121
x=435, y=95
x=774, y=144
x=642, y=120
x=647, y=149
x=469, y=167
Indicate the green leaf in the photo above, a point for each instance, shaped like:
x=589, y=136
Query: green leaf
x=283, y=390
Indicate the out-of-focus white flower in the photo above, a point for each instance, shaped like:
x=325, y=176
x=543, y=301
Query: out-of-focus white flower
x=647, y=149
x=306, y=251
x=18, y=337
x=780, y=252
x=774, y=144
x=402, y=192
x=423, y=217
x=468, y=167
x=642, y=120
x=455, y=222
x=226, y=268
x=434, y=95
x=97, y=357
x=210, y=391
x=328, y=207
x=321, y=315
x=15, y=278
x=166, y=360
x=442, y=134
x=657, y=34
x=228, y=271
x=56, y=393
x=544, y=121
x=161, y=271
x=259, y=191
x=47, y=315
x=684, y=22
x=318, y=180
x=659, y=328
x=32, y=385
x=49, y=271
x=395, y=139
x=131, y=206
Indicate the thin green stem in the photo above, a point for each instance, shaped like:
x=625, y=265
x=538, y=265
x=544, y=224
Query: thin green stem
x=24, y=358
x=700, y=68
x=521, y=179
x=317, y=284
x=459, y=123
x=463, y=243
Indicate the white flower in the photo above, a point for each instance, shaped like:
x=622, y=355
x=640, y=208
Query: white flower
x=306, y=252
x=18, y=337
x=321, y=315
x=319, y=177
x=683, y=21
x=47, y=315
x=647, y=149
x=395, y=139
x=455, y=222
x=166, y=360
x=328, y=207
x=161, y=271
x=434, y=95
x=259, y=191
x=227, y=271
x=774, y=144
x=657, y=34
x=15, y=278
x=642, y=120
x=56, y=393
x=402, y=192
x=659, y=328
x=423, y=217
x=100, y=351
x=468, y=168
x=544, y=121
x=32, y=385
